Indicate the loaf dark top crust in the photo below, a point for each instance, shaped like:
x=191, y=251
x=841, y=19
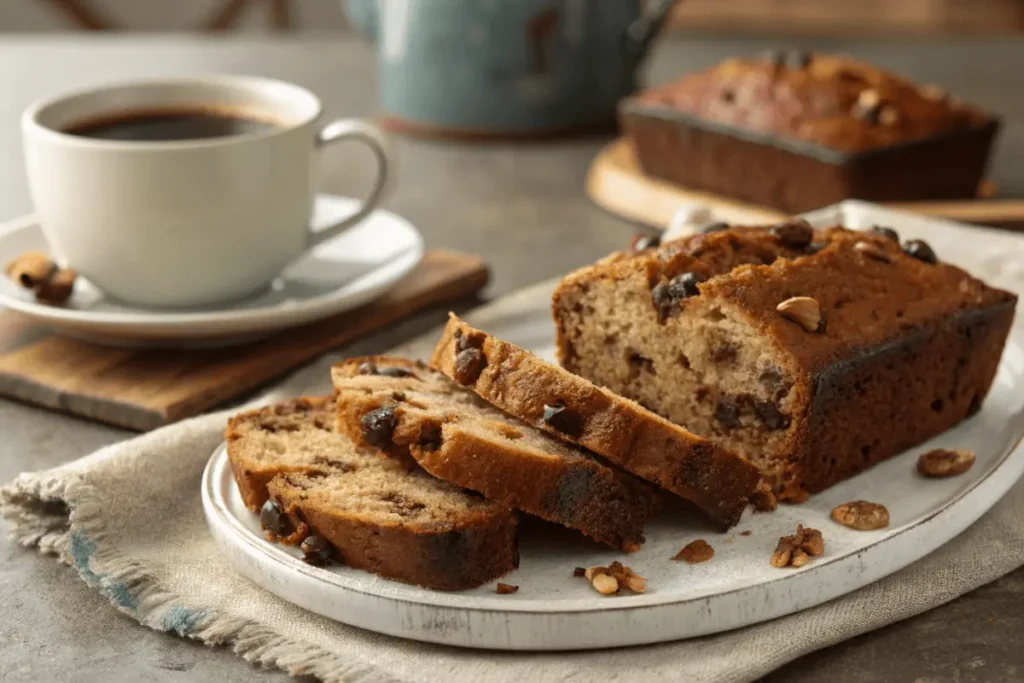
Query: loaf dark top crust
x=906, y=347
x=411, y=409
x=798, y=131
x=572, y=408
x=378, y=513
x=828, y=100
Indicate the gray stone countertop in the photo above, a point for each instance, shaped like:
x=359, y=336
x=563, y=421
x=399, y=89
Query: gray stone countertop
x=520, y=206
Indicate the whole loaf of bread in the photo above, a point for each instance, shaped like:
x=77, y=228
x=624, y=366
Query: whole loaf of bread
x=813, y=353
x=798, y=130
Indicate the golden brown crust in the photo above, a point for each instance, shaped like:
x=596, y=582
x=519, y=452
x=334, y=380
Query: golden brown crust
x=523, y=385
x=828, y=101
x=908, y=347
x=799, y=134
x=563, y=485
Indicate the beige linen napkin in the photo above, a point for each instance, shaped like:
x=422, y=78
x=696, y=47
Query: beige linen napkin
x=129, y=519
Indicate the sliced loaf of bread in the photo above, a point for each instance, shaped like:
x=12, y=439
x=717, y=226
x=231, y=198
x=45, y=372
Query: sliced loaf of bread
x=408, y=408
x=380, y=514
x=566, y=405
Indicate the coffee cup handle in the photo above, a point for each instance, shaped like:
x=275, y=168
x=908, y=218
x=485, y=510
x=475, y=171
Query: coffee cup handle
x=374, y=138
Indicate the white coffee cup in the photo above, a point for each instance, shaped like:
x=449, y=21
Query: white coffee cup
x=186, y=222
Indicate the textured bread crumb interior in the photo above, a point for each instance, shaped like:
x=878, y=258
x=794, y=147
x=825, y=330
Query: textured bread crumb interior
x=383, y=496
x=685, y=369
x=327, y=468
x=433, y=399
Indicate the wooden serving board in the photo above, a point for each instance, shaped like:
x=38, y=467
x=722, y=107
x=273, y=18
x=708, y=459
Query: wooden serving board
x=142, y=389
x=616, y=183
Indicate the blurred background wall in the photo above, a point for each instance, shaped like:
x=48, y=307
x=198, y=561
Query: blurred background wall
x=903, y=17
x=171, y=15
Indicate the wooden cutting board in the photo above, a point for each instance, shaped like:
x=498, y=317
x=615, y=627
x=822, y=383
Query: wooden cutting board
x=616, y=183
x=143, y=389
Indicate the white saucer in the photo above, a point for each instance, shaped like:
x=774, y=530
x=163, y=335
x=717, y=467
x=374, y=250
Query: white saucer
x=339, y=275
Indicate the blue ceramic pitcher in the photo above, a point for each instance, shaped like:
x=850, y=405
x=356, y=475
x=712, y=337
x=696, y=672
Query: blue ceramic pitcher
x=506, y=67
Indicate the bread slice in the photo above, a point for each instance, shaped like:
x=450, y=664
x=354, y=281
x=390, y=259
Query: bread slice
x=570, y=407
x=379, y=513
x=409, y=408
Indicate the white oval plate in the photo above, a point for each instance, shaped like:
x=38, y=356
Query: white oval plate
x=738, y=587
x=341, y=274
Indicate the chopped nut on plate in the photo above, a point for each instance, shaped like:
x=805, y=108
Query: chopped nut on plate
x=796, y=550
x=861, y=515
x=605, y=584
x=611, y=579
x=943, y=462
x=506, y=589
x=636, y=583
x=579, y=571
x=696, y=551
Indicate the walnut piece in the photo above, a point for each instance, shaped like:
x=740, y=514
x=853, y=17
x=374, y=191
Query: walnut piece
x=873, y=251
x=804, y=311
x=696, y=551
x=861, y=515
x=605, y=584
x=613, y=578
x=943, y=462
x=796, y=550
x=783, y=552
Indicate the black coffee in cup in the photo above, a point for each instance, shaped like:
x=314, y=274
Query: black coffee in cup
x=168, y=124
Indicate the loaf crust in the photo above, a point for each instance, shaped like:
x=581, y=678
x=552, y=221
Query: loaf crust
x=454, y=435
x=379, y=514
x=523, y=385
x=908, y=347
x=798, y=131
